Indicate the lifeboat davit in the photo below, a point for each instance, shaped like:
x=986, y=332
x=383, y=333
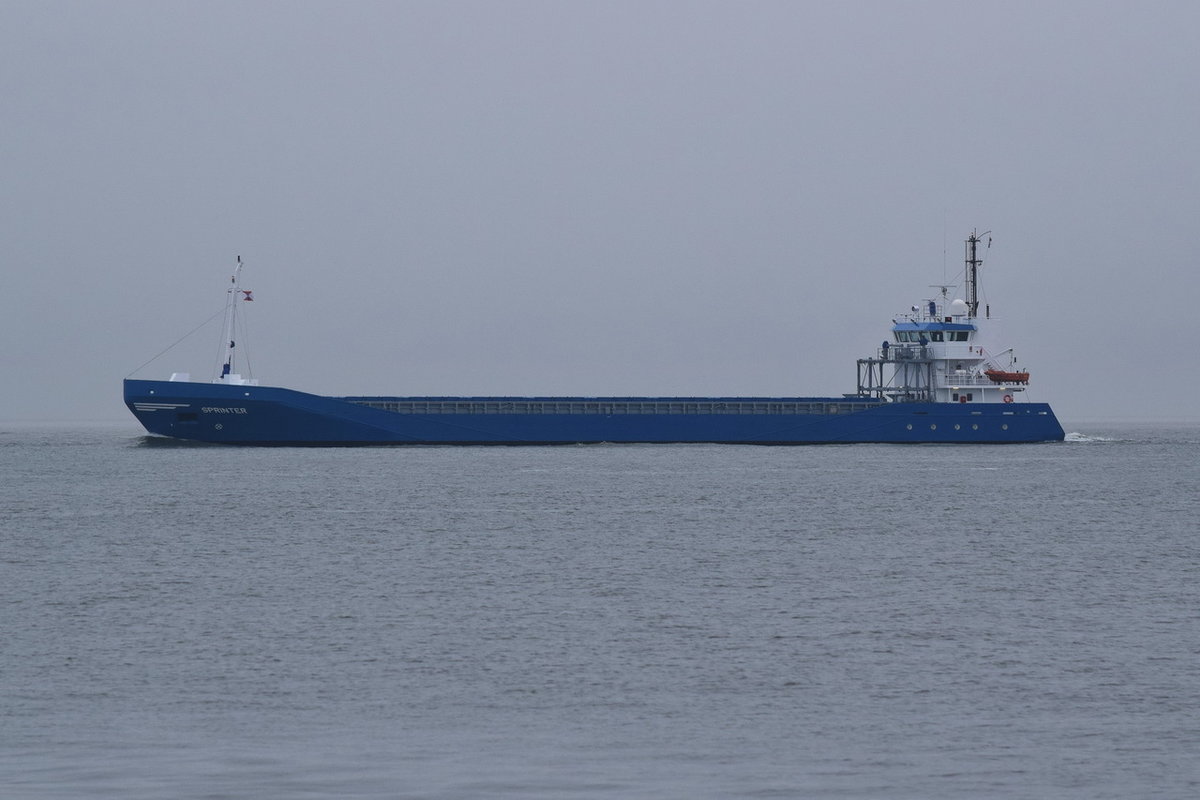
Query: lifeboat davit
x=999, y=376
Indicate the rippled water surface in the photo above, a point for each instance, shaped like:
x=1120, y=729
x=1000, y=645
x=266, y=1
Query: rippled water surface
x=599, y=622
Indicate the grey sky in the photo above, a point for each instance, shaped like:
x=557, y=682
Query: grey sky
x=605, y=198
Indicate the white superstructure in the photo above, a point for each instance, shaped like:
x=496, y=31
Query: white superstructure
x=936, y=353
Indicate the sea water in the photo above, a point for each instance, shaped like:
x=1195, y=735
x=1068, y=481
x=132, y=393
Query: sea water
x=195, y=621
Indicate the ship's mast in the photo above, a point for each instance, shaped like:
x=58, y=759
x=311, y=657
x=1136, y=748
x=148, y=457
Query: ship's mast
x=231, y=320
x=972, y=269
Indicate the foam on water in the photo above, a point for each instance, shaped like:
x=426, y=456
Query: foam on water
x=1084, y=438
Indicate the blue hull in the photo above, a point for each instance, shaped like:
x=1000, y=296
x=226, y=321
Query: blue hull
x=259, y=415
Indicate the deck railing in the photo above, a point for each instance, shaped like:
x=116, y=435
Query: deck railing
x=611, y=407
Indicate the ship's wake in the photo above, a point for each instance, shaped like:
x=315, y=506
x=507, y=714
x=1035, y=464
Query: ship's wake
x=1083, y=438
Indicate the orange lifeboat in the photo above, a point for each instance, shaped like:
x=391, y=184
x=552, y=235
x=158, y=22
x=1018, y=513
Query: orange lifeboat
x=999, y=376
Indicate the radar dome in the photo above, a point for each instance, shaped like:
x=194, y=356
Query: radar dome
x=958, y=308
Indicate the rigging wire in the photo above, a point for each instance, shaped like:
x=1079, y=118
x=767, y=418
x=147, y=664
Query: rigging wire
x=177, y=341
x=986, y=303
x=245, y=335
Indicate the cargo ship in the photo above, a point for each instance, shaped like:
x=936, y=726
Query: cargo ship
x=932, y=381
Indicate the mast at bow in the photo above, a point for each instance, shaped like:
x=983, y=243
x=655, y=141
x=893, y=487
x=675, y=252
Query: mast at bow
x=236, y=294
